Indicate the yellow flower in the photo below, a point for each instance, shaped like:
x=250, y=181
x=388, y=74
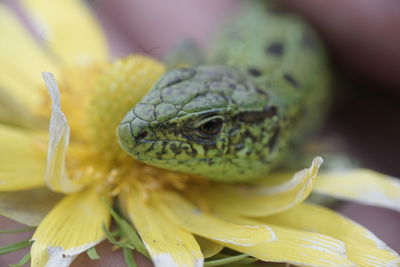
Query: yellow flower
x=180, y=219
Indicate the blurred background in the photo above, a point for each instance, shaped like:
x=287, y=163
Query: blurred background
x=363, y=39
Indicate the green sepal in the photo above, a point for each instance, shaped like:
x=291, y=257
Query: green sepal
x=128, y=257
x=127, y=230
x=220, y=259
x=21, y=230
x=15, y=247
x=92, y=253
x=111, y=238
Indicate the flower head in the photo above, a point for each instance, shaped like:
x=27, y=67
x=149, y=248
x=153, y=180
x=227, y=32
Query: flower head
x=181, y=219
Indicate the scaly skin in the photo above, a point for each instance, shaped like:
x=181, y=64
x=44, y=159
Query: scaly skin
x=233, y=120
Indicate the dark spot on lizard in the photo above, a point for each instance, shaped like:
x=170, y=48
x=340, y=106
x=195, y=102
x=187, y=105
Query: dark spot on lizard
x=290, y=79
x=174, y=148
x=249, y=135
x=274, y=140
x=239, y=147
x=308, y=41
x=256, y=116
x=254, y=72
x=150, y=148
x=163, y=150
x=261, y=91
x=274, y=49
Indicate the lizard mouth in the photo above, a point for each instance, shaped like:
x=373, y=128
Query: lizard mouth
x=144, y=149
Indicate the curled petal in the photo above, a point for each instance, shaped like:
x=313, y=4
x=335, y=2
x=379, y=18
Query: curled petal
x=56, y=175
x=276, y=194
x=168, y=244
x=81, y=43
x=361, y=185
x=363, y=247
x=295, y=247
x=74, y=225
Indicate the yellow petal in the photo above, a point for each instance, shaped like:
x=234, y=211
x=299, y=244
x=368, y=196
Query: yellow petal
x=296, y=247
x=268, y=243
x=29, y=206
x=167, y=244
x=361, y=185
x=69, y=29
x=263, y=199
x=363, y=247
x=22, y=160
x=56, y=175
x=182, y=212
x=208, y=248
x=73, y=226
x=21, y=61
x=14, y=112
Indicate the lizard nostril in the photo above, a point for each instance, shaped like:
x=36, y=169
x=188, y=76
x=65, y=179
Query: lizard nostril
x=142, y=134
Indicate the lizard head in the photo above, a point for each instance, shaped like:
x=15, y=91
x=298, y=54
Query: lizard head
x=208, y=121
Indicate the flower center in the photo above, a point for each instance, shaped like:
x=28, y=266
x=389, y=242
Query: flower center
x=94, y=108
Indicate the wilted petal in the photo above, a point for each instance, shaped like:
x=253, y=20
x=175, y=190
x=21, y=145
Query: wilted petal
x=21, y=62
x=296, y=247
x=185, y=214
x=29, y=206
x=208, y=247
x=361, y=185
x=69, y=30
x=73, y=226
x=168, y=244
x=363, y=247
x=22, y=162
x=56, y=174
x=263, y=199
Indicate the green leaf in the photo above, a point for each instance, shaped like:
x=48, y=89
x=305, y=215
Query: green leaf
x=226, y=260
x=111, y=237
x=128, y=230
x=14, y=247
x=92, y=253
x=25, y=229
x=129, y=259
x=248, y=260
x=23, y=261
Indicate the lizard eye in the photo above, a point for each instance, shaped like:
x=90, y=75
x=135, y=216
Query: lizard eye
x=210, y=126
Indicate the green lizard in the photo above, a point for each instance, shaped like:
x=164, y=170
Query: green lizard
x=264, y=86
